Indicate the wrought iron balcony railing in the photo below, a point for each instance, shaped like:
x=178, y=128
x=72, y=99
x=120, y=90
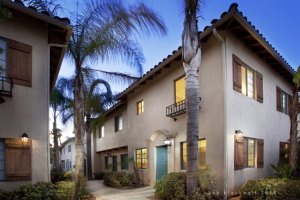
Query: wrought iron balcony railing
x=176, y=109
x=6, y=85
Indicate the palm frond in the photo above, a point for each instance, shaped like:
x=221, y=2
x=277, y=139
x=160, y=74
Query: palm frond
x=50, y=6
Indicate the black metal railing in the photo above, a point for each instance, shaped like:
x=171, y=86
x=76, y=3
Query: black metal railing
x=6, y=85
x=176, y=109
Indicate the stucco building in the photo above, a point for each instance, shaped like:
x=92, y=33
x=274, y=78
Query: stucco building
x=244, y=89
x=33, y=47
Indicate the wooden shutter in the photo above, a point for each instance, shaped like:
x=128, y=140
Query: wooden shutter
x=239, y=153
x=19, y=63
x=17, y=160
x=259, y=87
x=278, y=98
x=260, y=153
x=237, y=74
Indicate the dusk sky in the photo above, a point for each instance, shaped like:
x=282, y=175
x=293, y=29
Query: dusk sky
x=278, y=21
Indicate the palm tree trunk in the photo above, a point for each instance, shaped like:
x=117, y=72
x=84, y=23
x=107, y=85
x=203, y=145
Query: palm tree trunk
x=56, y=147
x=88, y=146
x=191, y=54
x=293, y=132
x=79, y=128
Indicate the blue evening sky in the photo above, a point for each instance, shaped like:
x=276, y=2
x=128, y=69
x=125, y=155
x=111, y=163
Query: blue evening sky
x=278, y=21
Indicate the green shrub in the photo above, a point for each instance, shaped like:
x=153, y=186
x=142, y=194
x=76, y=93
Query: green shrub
x=83, y=193
x=282, y=170
x=68, y=176
x=271, y=189
x=5, y=195
x=65, y=190
x=171, y=187
x=38, y=191
x=118, y=179
x=56, y=176
x=99, y=175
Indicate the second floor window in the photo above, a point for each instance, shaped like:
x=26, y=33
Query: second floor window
x=247, y=81
x=3, y=57
x=69, y=148
x=140, y=107
x=282, y=100
x=118, y=123
x=180, y=89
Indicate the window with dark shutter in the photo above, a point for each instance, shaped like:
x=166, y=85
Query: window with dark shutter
x=237, y=74
x=278, y=98
x=19, y=62
x=260, y=153
x=17, y=160
x=259, y=87
x=239, y=153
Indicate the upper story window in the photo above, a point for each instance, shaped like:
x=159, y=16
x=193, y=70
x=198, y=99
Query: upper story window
x=16, y=61
x=101, y=132
x=3, y=57
x=246, y=80
x=140, y=107
x=118, y=123
x=282, y=100
x=180, y=89
x=201, y=154
x=69, y=148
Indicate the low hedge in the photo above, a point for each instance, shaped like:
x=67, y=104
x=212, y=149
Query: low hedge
x=271, y=188
x=118, y=179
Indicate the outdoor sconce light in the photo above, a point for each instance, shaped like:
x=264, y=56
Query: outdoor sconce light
x=168, y=142
x=25, y=138
x=238, y=132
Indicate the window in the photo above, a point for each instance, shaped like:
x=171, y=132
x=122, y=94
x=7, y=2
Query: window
x=180, y=89
x=248, y=152
x=69, y=148
x=2, y=156
x=284, y=152
x=115, y=163
x=140, y=107
x=246, y=80
x=282, y=100
x=124, y=161
x=118, y=123
x=101, y=132
x=106, y=162
x=141, y=157
x=201, y=154
x=3, y=57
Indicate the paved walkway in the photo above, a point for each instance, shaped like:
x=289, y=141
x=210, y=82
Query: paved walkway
x=102, y=192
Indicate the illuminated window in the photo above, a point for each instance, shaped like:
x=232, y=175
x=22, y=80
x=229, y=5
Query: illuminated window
x=140, y=107
x=250, y=152
x=118, y=123
x=201, y=154
x=101, y=132
x=247, y=81
x=141, y=158
x=180, y=89
x=284, y=152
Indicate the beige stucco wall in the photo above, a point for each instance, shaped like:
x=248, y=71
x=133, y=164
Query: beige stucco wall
x=257, y=120
x=27, y=110
x=151, y=127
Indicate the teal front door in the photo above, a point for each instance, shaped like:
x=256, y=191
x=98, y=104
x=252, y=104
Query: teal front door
x=161, y=161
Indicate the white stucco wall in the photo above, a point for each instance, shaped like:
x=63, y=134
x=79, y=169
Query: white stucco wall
x=65, y=155
x=27, y=110
x=255, y=119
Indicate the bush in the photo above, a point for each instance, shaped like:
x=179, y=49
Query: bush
x=271, y=189
x=99, y=175
x=65, y=190
x=5, y=195
x=56, y=176
x=118, y=179
x=68, y=176
x=171, y=187
x=282, y=170
x=83, y=192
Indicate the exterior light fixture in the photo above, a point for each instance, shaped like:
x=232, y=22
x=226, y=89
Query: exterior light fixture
x=25, y=138
x=168, y=142
x=238, y=132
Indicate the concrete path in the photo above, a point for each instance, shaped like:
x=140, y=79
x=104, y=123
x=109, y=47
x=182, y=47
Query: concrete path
x=102, y=192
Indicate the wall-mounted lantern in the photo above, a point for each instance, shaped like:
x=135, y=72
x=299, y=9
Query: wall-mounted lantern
x=168, y=142
x=238, y=132
x=24, y=138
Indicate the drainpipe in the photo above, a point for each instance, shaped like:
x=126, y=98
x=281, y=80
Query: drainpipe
x=48, y=98
x=224, y=67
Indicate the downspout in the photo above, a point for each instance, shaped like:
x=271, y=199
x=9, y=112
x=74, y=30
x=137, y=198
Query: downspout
x=48, y=102
x=224, y=67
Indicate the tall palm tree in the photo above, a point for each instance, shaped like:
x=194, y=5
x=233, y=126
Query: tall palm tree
x=49, y=6
x=293, y=112
x=103, y=32
x=191, y=55
x=58, y=102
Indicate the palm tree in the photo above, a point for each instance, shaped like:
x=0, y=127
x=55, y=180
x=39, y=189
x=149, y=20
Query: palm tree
x=191, y=55
x=103, y=32
x=49, y=6
x=4, y=12
x=58, y=102
x=294, y=110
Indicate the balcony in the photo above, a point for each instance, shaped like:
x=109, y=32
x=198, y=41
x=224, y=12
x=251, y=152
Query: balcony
x=6, y=86
x=176, y=109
